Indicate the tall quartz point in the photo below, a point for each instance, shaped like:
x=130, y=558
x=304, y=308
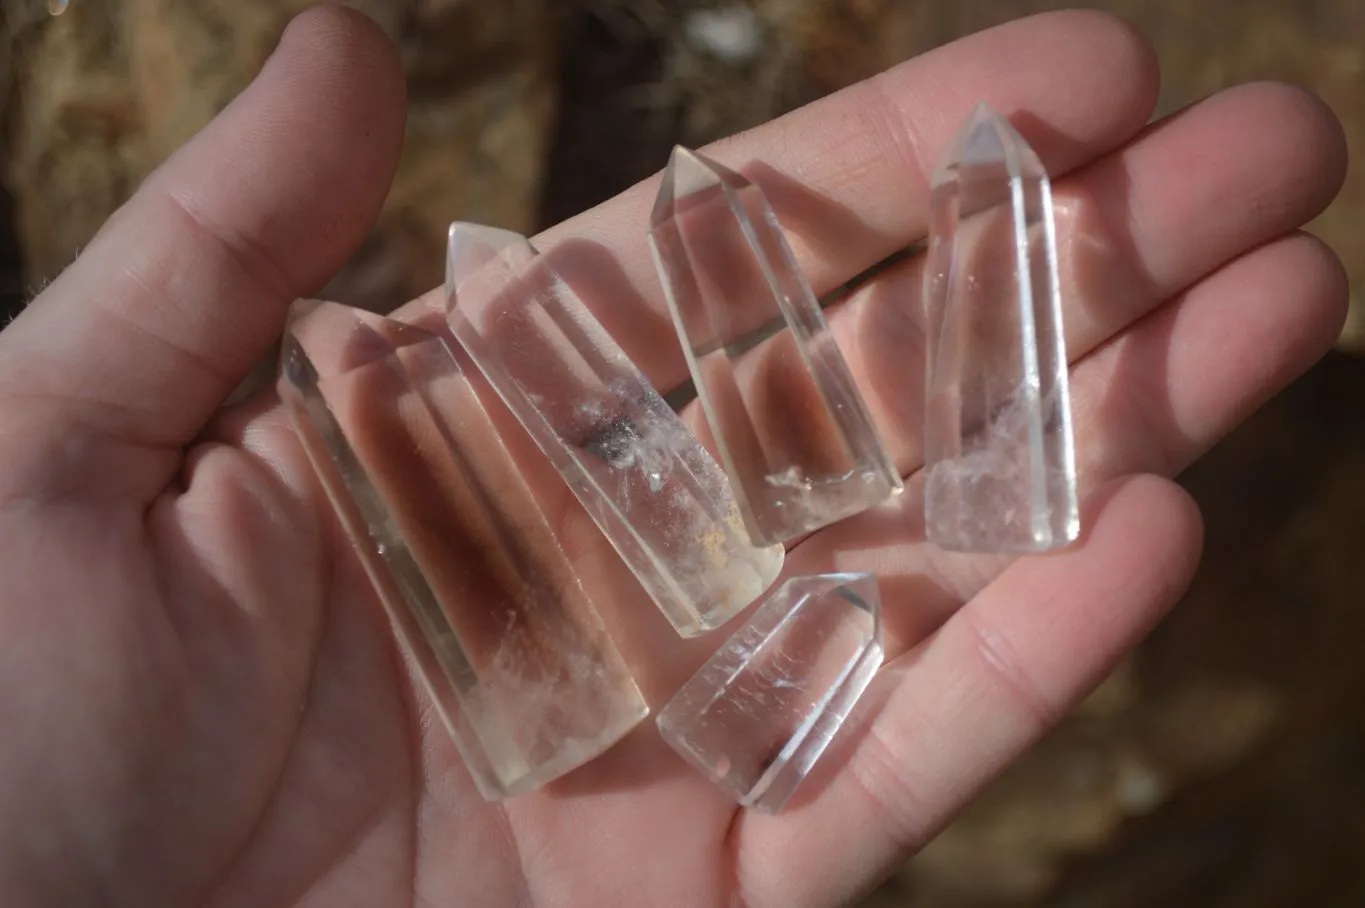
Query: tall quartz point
x=783, y=413
x=759, y=714
x=445, y=512
x=653, y=490
x=999, y=455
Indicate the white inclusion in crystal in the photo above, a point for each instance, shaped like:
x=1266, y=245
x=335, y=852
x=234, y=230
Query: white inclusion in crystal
x=57, y=7
x=783, y=413
x=655, y=492
x=764, y=708
x=999, y=452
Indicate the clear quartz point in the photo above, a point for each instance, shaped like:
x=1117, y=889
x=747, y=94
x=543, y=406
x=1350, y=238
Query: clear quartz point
x=446, y=517
x=759, y=714
x=782, y=411
x=653, y=490
x=999, y=454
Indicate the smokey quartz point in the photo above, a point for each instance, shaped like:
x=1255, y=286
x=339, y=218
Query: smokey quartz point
x=653, y=490
x=447, y=514
x=759, y=714
x=999, y=453
x=782, y=411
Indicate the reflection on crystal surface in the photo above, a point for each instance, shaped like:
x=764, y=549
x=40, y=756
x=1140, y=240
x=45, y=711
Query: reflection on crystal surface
x=651, y=487
x=999, y=453
x=783, y=413
x=451, y=533
x=759, y=714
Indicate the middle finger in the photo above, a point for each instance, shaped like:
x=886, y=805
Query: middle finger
x=1135, y=228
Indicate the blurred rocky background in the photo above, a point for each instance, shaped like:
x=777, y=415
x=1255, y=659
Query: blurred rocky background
x=1224, y=764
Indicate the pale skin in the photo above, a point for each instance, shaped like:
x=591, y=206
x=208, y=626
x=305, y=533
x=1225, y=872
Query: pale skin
x=202, y=702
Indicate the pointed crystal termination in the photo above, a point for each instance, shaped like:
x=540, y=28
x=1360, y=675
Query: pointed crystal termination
x=999, y=454
x=784, y=415
x=653, y=490
x=759, y=714
x=476, y=582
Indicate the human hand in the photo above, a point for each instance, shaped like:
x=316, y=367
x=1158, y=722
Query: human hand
x=202, y=701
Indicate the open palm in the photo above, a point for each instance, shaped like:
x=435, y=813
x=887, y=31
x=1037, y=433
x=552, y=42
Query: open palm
x=200, y=700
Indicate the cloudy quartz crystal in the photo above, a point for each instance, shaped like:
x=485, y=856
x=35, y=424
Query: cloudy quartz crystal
x=446, y=507
x=782, y=411
x=653, y=490
x=759, y=714
x=999, y=452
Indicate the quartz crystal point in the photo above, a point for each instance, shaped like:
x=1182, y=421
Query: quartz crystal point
x=759, y=714
x=450, y=530
x=783, y=413
x=999, y=454
x=651, y=487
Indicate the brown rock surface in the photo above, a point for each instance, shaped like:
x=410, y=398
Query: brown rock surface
x=71, y=135
x=481, y=106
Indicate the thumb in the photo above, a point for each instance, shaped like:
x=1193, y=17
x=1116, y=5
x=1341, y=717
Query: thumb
x=136, y=344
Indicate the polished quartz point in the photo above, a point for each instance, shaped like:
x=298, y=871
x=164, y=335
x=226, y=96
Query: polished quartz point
x=446, y=517
x=654, y=491
x=782, y=411
x=999, y=455
x=759, y=714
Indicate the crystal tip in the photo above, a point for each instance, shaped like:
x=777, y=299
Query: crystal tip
x=688, y=173
x=987, y=138
x=470, y=247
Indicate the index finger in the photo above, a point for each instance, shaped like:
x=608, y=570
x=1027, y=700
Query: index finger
x=848, y=175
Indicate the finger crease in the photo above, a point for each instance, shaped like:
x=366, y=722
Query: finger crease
x=1004, y=666
x=906, y=142
x=145, y=334
x=251, y=259
x=879, y=771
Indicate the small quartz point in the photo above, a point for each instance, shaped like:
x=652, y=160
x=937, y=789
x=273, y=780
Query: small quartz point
x=782, y=410
x=653, y=490
x=453, y=536
x=999, y=454
x=759, y=714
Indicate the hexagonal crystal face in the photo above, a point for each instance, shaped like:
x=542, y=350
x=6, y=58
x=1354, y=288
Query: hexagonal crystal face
x=760, y=713
x=653, y=490
x=444, y=500
x=999, y=453
x=782, y=411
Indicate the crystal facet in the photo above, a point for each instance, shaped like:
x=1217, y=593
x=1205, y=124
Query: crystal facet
x=999, y=454
x=651, y=487
x=447, y=522
x=759, y=714
x=783, y=413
